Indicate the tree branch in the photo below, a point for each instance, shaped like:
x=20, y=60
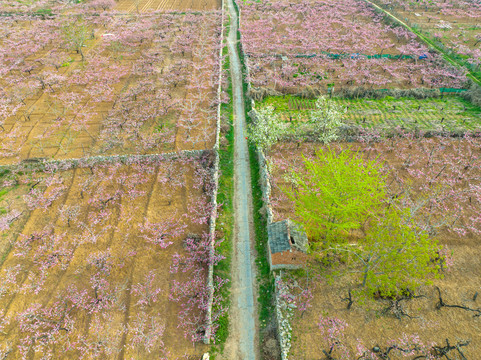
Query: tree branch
x=441, y=303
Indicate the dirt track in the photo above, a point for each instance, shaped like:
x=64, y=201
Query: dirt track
x=243, y=331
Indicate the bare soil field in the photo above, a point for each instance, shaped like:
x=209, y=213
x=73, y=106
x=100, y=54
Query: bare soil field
x=89, y=258
x=111, y=85
x=440, y=177
x=142, y=6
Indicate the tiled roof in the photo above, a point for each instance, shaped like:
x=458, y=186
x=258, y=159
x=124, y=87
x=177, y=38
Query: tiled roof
x=299, y=235
x=278, y=236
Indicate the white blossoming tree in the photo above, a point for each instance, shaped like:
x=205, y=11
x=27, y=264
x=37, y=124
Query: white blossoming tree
x=327, y=118
x=267, y=127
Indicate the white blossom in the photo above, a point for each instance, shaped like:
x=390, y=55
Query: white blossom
x=327, y=118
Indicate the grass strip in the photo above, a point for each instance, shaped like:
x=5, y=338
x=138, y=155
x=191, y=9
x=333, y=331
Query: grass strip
x=225, y=197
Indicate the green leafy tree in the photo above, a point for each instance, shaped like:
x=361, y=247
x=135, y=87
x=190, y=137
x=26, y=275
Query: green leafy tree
x=392, y=257
x=337, y=193
x=267, y=127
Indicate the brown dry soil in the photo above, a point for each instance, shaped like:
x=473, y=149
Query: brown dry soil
x=142, y=6
x=45, y=127
x=164, y=191
x=366, y=322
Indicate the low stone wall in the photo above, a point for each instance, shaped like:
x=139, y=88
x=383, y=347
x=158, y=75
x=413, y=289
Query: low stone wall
x=265, y=185
x=215, y=177
x=284, y=312
x=283, y=325
x=67, y=164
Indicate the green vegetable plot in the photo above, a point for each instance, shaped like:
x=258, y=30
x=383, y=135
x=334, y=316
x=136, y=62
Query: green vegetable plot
x=449, y=113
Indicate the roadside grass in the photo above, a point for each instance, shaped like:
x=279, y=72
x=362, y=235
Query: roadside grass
x=225, y=197
x=264, y=277
x=225, y=221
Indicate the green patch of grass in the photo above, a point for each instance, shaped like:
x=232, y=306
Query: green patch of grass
x=3, y=192
x=450, y=113
x=264, y=277
x=43, y=13
x=225, y=221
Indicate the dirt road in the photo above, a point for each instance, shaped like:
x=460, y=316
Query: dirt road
x=243, y=332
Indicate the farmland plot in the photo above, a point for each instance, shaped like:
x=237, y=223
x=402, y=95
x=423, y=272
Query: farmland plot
x=448, y=114
x=93, y=256
x=453, y=24
x=166, y=5
x=75, y=87
x=293, y=44
x=49, y=7
x=40, y=6
x=439, y=178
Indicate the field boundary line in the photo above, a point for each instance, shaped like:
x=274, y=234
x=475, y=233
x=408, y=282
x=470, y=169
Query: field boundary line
x=265, y=184
x=215, y=174
x=68, y=164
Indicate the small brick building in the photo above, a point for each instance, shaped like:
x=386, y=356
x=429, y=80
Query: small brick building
x=287, y=245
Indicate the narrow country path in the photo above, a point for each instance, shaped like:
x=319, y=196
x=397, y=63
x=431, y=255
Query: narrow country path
x=242, y=341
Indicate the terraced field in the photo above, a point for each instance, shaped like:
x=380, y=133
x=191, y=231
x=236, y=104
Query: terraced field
x=88, y=257
x=142, y=86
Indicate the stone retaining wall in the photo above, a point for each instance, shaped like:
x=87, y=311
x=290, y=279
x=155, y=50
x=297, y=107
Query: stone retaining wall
x=67, y=164
x=283, y=325
x=213, y=215
x=284, y=312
